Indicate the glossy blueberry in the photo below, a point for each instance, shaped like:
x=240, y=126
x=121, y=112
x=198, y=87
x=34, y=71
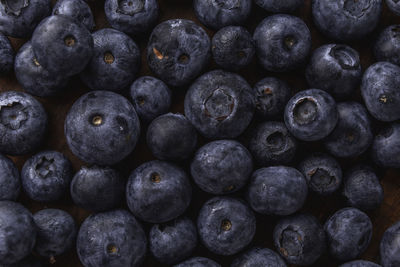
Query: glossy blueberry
x=62, y=45
x=390, y=246
x=283, y=42
x=115, y=61
x=158, y=192
x=271, y=95
x=221, y=167
x=10, y=186
x=131, y=16
x=277, y=190
x=216, y=14
x=259, y=257
x=280, y=6
x=394, y=6
x=46, y=176
x=18, y=18
x=386, y=146
x=151, y=98
x=112, y=239
x=387, y=46
x=226, y=225
x=97, y=188
x=300, y=239
x=360, y=263
x=56, y=232
x=23, y=123
x=233, y=48
x=272, y=144
x=198, y=262
x=102, y=128
x=311, y=115
x=171, y=137
x=174, y=241
x=352, y=135
x=362, y=188
x=178, y=51
x=17, y=231
x=322, y=172
x=76, y=9
x=335, y=68
x=220, y=104
x=6, y=55
x=346, y=20
x=380, y=89
x=29, y=261
x=349, y=233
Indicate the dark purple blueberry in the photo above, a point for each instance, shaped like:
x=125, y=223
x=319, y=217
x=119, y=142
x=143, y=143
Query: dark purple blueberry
x=390, y=246
x=387, y=45
x=394, y=6
x=76, y=9
x=198, y=262
x=10, y=185
x=386, y=146
x=360, y=263
x=6, y=55
x=259, y=257
x=280, y=6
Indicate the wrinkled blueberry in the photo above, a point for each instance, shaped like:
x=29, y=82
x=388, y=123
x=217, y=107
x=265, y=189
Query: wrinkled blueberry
x=394, y=6
x=259, y=257
x=6, y=55
x=387, y=45
x=10, y=185
x=390, y=246
x=386, y=146
x=198, y=262
x=280, y=6
x=76, y=9
x=359, y=263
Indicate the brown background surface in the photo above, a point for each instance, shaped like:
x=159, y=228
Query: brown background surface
x=321, y=207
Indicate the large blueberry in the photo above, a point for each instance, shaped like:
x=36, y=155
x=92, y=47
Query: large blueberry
x=335, y=68
x=6, y=55
x=62, y=45
x=10, y=185
x=390, y=246
x=226, y=225
x=346, y=20
x=111, y=239
x=17, y=231
x=311, y=115
x=280, y=6
x=277, y=190
x=198, y=262
x=102, y=128
x=386, y=146
x=18, y=18
x=387, y=46
x=221, y=167
x=97, y=188
x=23, y=123
x=158, y=192
x=259, y=257
x=283, y=42
x=220, y=104
x=394, y=6
x=360, y=263
x=76, y=9
x=300, y=239
x=178, y=51
x=173, y=241
x=46, y=176
x=115, y=61
x=349, y=233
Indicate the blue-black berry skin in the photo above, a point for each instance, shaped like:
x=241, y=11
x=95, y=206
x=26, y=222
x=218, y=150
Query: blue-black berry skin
x=280, y=6
x=394, y=6
x=387, y=45
x=360, y=263
x=76, y=9
x=259, y=257
x=10, y=185
x=6, y=55
x=386, y=146
x=390, y=247
x=198, y=262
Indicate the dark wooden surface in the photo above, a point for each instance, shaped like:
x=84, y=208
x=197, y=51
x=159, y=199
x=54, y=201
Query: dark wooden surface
x=321, y=207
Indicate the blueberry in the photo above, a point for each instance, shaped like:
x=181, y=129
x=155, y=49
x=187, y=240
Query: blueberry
x=353, y=134
x=283, y=42
x=35, y=79
x=113, y=238
x=198, y=262
x=221, y=167
x=76, y=9
x=115, y=61
x=10, y=186
x=18, y=18
x=271, y=94
x=171, y=137
x=390, y=246
x=272, y=144
x=394, y=6
x=178, y=51
x=311, y=115
x=62, y=45
x=131, y=16
x=23, y=123
x=380, y=89
x=360, y=263
x=46, y=176
x=216, y=14
x=17, y=231
x=387, y=45
x=349, y=233
x=97, y=188
x=29, y=261
x=386, y=146
x=174, y=241
x=300, y=239
x=336, y=69
x=362, y=189
x=102, y=128
x=6, y=55
x=277, y=190
x=346, y=20
x=280, y=6
x=226, y=225
x=56, y=232
x=259, y=257
x=322, y=172
x=220, y=104
x=233, y=48
x=151, y=98
x=158, y=192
